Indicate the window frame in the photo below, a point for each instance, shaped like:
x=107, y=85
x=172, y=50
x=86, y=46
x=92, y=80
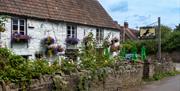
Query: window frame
x=72, y=31
x=18, y=25
x=99, y=35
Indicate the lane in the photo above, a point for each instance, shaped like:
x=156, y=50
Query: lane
x=167, y=84
x=178, y=66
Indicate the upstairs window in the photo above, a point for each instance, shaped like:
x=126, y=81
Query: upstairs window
x=71, y=31
x=19, y=26
x=99, y=35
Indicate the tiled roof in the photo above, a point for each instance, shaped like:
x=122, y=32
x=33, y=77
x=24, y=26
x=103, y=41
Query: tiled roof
x=129, y=32
x=88, y=12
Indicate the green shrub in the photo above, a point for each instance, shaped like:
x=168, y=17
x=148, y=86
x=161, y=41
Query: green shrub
x=17, y=69
x=159, y=76
x=172, y=42
x=150, y=45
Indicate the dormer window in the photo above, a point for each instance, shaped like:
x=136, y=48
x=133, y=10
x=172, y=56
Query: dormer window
x=18, y=26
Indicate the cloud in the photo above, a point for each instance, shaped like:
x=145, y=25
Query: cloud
x=141, y=18
x=120, y=7
x=143, y=12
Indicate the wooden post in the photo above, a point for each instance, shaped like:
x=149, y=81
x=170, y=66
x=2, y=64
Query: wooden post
x=159, y=39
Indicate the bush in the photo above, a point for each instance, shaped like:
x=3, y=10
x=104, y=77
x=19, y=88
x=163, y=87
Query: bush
x=17, y=69
x=172, y=43
x=150, y=45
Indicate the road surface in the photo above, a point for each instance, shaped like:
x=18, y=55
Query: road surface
x=167, y=84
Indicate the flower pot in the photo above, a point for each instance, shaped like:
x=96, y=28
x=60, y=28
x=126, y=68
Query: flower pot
x=17, y=38
x=72, y=41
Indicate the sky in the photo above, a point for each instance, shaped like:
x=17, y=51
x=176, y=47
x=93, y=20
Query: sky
x=143, y=12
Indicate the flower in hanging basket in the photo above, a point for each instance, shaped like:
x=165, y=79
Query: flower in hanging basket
x=72, y=41
x=49, y=40
x=59, y=48
x=17, y=37
x=114, y=40
x=53, y=50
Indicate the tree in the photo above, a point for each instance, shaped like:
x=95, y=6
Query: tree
x=165, y=31
x=177, y=28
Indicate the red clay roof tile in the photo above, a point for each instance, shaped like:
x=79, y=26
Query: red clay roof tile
x=88, y=12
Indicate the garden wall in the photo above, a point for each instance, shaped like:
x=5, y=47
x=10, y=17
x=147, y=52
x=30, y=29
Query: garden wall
x=152, y=66
x=45, y=83
x=116, y=79
x=175, y=56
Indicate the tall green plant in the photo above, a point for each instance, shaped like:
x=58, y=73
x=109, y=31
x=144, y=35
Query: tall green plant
x=2, y=23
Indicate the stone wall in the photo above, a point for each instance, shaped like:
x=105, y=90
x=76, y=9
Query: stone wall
x=45, y=83
x=152, y=66
x=124, y=77
x=175, y=56
x=117, y=79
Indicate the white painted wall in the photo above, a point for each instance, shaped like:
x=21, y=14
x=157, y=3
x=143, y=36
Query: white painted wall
x=43, y=29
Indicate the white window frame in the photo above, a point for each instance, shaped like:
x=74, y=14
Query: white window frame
x=71, y=29
x=99, y=35
x=19, y=25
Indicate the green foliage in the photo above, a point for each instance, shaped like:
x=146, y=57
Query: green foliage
x=150, y=45
x=2, y=24
x=172, y=42
x=68, y=66
x=159, y=76
x=165, y=31
x=90, y=57
x=177, y=28
x=17, y=69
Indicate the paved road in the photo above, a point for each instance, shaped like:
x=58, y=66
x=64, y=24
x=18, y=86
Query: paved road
x=167, y=84
x=178, y=66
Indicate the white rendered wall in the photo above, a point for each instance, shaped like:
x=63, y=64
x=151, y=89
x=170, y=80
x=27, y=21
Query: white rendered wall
x=41, y=30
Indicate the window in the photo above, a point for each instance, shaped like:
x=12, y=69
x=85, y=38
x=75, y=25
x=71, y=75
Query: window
x=71, y=31
x=99, y=35
x=18, y=26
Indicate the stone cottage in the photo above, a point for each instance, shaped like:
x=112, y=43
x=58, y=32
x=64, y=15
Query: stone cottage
x=31, y=21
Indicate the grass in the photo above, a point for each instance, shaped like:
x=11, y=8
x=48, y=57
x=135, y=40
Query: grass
x=159, y=76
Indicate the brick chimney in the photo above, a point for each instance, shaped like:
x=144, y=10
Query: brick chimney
x=126, y=25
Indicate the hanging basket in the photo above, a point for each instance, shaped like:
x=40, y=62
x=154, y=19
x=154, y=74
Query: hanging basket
x=49, y=40
x=53, y=50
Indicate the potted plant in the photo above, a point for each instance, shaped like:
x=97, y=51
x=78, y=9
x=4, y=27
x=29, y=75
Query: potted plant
x=53, y=50
x=17, y=37
x=72, y=41
x=59, y=48
x=49, y=40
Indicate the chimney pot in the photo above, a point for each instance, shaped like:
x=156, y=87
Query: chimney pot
x=126, y=25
